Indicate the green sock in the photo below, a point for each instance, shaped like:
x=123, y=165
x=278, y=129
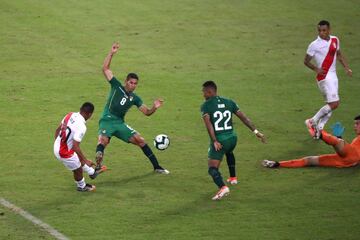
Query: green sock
x=230, y=159
x=215, y=174
x=149, y=153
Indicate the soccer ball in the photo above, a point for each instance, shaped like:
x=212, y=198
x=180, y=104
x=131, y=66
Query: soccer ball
x=161, y=142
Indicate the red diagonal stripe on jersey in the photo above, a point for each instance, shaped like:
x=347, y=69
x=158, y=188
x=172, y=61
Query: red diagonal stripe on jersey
x=65, y=152
x=329, y=59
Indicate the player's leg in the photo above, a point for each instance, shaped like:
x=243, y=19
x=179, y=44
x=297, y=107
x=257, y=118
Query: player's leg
x=214, y=160
x=334, y=160
x=139, y=141
x=294, y=163
x=82, y=186
x=106, y=130
x=338, y=144
x=329, y=89
x=230, y=160
x=230, y=145
x=74, y=165
x=103, y=141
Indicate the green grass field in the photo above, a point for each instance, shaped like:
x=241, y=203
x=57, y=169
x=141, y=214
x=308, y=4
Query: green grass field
x=50, y=63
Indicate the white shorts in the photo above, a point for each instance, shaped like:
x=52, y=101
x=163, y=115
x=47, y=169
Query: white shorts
x=71, y=163
x=329, y=88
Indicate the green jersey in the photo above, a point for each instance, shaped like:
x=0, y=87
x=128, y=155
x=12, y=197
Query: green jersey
x=119, y=101
x=220, y=111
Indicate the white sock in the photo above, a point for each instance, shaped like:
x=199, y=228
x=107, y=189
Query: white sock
x=88, y=170
x=321, y=113
x=324, y=120
x=81, y=183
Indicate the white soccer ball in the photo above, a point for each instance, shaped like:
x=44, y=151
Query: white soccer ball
x=161, y=142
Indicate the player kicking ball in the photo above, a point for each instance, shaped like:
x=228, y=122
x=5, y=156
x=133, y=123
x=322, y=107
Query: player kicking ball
x=67, y=146
x=347, y=154
x=217, y=115
x=325, y=50
x=112, y=124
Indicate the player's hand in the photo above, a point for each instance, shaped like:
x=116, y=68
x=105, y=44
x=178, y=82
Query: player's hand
x=261, y=136
x=158, y=103
x=217, y=146
x=348, y=72
x=89, y=163
x=115, y=47
x=319, y=71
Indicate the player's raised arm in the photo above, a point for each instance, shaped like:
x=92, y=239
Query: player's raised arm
x=211, y=132
x=250, y=125
x=149, y=111
x=106, y=66
x=343, y=62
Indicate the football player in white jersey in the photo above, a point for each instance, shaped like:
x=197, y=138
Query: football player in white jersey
x=325, y=50
x=67, y=146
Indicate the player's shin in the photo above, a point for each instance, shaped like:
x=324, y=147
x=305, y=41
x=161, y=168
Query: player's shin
x=323, y=121
x=230, y=159
x=330, y=139
x=99, y=155
x=216, y=176
x=151, y=156
x=81, y=183
x=321, y=113
x=296, y=163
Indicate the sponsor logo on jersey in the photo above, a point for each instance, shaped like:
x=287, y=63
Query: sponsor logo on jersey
x=221, y=105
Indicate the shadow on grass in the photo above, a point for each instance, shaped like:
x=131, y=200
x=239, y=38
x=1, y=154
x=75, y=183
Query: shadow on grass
x=123, y=181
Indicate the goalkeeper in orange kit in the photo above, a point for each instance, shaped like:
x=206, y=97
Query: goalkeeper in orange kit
x=347, y=154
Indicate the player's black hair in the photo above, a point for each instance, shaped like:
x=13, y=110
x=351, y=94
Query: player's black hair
x=324, y=22
x=210, y=84
x=132, y=75
x=87, y=107
x=357, y=117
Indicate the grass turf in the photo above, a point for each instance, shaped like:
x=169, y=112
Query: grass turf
x=51, y=58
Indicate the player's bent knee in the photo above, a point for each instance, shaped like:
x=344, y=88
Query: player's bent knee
x=103, y=140
x=212, y=171
x=312, y=161
x=334, y=105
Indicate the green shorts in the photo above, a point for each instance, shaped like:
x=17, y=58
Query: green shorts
x=119, y=129
x=228, y=145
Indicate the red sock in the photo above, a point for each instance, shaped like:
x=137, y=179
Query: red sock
x=296, y=163
x=329, y=139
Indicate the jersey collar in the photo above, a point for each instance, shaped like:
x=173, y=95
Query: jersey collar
x=81, y=117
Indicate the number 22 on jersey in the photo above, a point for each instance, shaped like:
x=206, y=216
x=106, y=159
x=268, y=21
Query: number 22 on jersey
x=219, y=116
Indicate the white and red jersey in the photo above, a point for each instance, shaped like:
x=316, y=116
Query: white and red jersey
x=324, y=52
x=72, y=128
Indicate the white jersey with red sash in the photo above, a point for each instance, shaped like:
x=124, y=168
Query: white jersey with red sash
x=324, y=54
x=72, y=128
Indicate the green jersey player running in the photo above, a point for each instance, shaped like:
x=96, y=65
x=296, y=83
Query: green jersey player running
x=121, y=99
x=217, y=115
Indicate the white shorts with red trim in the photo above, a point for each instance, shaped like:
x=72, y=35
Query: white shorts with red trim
x=71, y=163
x=329, y=87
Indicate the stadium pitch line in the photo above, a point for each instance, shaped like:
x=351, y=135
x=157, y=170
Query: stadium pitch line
x=52, y=231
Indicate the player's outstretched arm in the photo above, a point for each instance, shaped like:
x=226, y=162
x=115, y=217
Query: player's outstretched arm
x=211, y=132
x=149, y=111
x=307, y=62
x=106, y=66
x=83, y=160
x=343, y=62
x=250, y=125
